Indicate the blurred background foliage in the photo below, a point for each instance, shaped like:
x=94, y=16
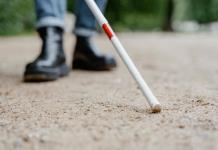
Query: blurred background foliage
x=17, y=16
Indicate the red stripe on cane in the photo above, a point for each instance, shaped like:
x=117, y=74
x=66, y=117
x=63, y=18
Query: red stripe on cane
x=107, y=30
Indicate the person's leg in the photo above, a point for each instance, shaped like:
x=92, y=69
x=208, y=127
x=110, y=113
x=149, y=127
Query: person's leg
x=85, y=22
x=50, y=13
x=86, y=55
x=51, y=63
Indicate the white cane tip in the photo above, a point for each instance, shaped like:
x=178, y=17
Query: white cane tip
x=156, y=108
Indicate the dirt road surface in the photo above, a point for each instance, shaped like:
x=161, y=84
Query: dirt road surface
x=105, y=110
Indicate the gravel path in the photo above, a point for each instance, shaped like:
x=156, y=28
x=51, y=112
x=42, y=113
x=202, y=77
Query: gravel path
x=105, y=111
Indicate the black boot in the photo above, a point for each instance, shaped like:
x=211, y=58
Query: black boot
x=87, y=57
x=51, y=63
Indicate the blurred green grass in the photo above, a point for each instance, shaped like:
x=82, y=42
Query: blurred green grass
x=17, y=16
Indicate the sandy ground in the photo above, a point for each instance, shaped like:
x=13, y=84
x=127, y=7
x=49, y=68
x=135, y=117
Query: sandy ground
x=105, y=111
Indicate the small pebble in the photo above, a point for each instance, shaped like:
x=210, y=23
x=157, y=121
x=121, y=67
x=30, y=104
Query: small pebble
x=181, y=126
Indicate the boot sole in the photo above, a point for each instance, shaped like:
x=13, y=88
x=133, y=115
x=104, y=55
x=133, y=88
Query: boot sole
x=82, y=65
x=44, y=75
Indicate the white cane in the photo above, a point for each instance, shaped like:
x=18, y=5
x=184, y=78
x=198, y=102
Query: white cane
x=153, y=102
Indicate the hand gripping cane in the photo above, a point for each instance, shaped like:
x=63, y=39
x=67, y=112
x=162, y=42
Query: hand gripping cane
x=153, y=102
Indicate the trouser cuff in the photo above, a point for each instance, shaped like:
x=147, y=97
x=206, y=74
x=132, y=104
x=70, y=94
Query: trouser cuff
x=84, y=32
x=50, y=21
